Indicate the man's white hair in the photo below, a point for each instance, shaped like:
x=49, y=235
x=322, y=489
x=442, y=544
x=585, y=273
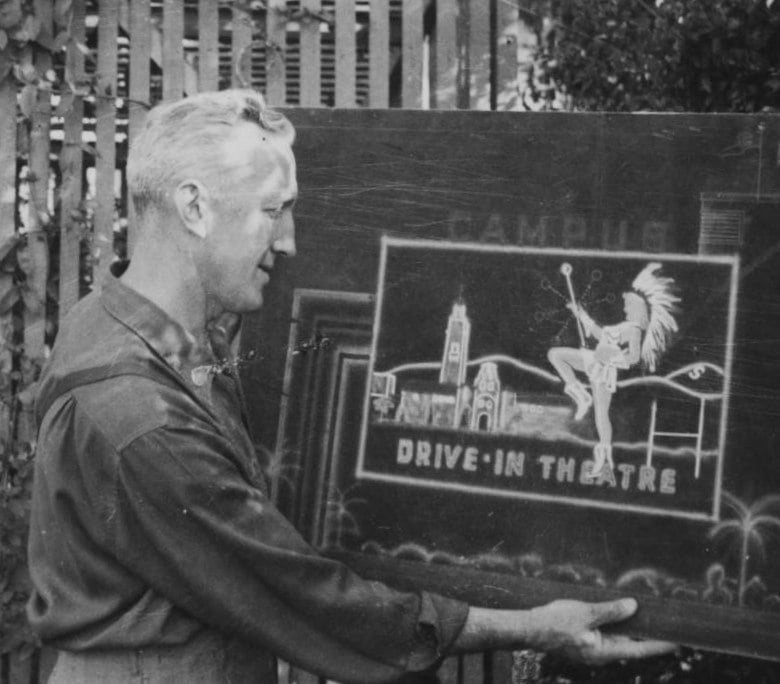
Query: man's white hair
x=186, y=139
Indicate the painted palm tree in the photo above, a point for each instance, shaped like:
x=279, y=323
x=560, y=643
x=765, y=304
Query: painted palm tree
x=745, y=531
x=339, y=520
x=383, y=405
x=276, y=468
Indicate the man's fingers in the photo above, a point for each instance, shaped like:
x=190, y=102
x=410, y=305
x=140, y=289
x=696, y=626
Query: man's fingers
x=612, y=611
x=623, y=648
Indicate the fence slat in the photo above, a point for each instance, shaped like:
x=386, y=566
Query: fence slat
x=156, y=48
x=7, y=159
x=345, y=53
x=71, y=162
x=379, y=54
x=140, y=49
x=105, y=131
x=507, y=27
x=479, y=54
x=173, y=51
x=412, y=54
x=208, y=45
x=8, y=147
x=19, y=670
x=37, y=251
x=448, y=671
x=46, y=664
x=310, y=54
x=472, y=669
x=276, y=43
x=242, y=48
x=502, y=666
x=447, y=59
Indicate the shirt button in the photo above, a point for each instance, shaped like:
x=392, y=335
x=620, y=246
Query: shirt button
x=200, y=375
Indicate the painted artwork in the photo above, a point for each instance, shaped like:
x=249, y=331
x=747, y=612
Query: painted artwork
x=588, y=379
x=432, y=426
x=574, y=393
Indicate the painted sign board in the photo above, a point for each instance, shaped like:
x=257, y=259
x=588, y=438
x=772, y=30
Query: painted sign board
x=515, y=531
x=581, y=378
x=498, y=215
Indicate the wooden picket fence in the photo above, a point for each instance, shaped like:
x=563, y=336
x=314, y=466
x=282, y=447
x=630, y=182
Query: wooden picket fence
x=131, y=54
x=63, y=199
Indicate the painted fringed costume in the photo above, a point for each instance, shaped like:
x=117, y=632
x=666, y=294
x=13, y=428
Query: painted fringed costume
x=641, y=338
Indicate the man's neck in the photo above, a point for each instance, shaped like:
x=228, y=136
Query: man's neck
x=165, y=274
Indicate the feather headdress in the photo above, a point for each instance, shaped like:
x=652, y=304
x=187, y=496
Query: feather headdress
x=658, y=293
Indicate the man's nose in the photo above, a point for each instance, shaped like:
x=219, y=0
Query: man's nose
x=285, y=243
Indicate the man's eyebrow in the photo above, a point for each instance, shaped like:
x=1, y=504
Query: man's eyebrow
x=275, y=201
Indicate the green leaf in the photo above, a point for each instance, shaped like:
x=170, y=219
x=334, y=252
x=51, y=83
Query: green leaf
x=27, y=100
x=82, y=48
x=26, y=651
x=32, y=25
x=45, y=39
x=28, y=31
x=6, y=65
x=66, y=103
x=13, y=14
x=63, y=12
x=22, y=140
x=90, y=149
x=8, y=300
x=7, y=245
x=60, y=41
x=24, y=68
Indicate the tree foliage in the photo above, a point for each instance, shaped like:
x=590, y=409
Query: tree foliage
x=659, y=55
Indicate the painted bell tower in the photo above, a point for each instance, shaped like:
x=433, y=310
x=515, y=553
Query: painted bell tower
x=487, y=398
x=456, y=347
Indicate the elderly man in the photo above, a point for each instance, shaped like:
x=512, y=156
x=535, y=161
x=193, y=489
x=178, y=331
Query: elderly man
x=155, y=553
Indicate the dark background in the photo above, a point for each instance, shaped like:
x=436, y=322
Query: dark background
x=614, y=181
x=560, y=180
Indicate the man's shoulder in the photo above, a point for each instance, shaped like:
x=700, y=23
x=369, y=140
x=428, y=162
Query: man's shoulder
x=118, y=385
x=126, y=407
x=87, y=336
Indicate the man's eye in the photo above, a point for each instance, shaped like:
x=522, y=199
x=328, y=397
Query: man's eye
x=275, y=213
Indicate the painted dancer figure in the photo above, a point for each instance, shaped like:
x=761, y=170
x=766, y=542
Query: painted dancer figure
x=641, y=338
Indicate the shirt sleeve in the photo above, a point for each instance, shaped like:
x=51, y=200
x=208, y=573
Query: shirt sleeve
x=190, y=525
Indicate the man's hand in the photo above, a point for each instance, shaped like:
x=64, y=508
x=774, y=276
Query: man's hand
x=571, y=629
x=568, y=628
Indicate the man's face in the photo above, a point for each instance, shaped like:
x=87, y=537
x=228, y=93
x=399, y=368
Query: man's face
x=252, y=221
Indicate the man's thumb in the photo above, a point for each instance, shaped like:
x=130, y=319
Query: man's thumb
x=613, y=611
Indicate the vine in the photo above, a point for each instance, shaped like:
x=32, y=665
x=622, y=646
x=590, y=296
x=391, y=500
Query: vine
x=28, y=50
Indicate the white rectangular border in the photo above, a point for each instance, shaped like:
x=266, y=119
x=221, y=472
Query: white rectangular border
x=440, y=245
x=301, y=297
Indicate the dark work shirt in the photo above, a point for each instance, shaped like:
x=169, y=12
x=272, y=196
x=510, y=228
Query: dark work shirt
x=151, y=523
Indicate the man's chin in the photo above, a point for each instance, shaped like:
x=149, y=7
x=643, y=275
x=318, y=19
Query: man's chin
x=247, y=306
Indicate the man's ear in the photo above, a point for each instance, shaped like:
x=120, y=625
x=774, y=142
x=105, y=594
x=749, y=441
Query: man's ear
x=193, y=206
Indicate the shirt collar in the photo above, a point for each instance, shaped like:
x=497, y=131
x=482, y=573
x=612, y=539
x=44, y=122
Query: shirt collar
x=164, y=335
